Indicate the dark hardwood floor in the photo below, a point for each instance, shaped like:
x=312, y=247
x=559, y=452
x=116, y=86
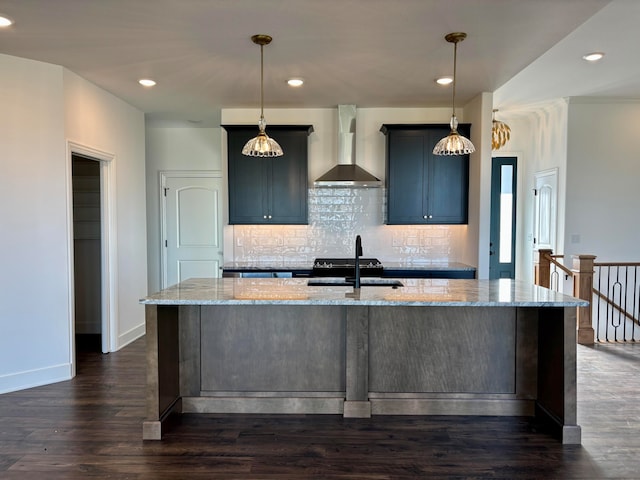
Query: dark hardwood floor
x=90, y=427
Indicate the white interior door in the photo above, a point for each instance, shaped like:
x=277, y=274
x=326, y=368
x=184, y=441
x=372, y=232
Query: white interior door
x=546, y=209
x=192, y=226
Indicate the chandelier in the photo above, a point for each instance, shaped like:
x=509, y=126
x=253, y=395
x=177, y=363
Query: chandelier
x=500, y=132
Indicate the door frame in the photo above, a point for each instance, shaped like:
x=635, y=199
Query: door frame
x=107, y=245
x=164, y=175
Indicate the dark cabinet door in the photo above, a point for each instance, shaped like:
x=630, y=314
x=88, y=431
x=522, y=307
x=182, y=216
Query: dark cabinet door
x=268, y=190
x=423, y=188
x=289, y=180
x=406, y=176
x=448, y=182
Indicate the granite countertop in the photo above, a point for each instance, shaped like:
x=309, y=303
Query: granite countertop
x=415, y=292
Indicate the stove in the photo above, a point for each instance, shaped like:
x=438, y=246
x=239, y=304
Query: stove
x=345, y=267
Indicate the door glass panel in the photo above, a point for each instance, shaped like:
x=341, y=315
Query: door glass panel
x=545, y=215
x=506, y=213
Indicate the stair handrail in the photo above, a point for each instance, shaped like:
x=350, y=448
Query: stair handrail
x=613, y=304
x=552, y=259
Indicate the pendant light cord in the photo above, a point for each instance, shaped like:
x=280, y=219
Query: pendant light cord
x=453, y=94
x=261, y=81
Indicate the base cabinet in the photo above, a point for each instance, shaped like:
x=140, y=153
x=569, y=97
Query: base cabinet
x=423, y=188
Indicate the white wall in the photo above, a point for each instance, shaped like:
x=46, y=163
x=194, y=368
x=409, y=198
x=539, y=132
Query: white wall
x=94, y=118
x=34, y=301
x=170, y=149
x=593, y=144
x=41, y=105
x=603, y=173
x=539, y=141
x=478, y=113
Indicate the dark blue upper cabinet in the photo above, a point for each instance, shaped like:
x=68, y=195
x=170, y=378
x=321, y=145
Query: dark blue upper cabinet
x=423, y=188
x=268, y=190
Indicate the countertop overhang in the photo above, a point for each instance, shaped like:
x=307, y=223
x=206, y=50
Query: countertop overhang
x=416, y=292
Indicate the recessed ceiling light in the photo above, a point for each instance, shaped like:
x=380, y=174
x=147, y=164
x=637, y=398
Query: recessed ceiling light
x=5, y=21
x=295, y=82
x=593, y=57
x=146, y=82
x=444, y=80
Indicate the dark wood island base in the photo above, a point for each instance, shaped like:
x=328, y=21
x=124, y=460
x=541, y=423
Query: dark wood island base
x=359, y=357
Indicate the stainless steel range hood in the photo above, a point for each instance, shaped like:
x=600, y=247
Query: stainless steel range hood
x=346, y=173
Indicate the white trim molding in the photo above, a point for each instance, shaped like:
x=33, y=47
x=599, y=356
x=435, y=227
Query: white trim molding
x=108, y=245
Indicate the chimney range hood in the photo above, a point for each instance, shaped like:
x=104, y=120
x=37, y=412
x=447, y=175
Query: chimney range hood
x=346, y=173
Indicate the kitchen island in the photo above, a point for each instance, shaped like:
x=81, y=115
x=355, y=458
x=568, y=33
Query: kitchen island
x=430, y=347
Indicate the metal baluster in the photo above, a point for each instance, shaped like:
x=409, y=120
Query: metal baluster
x=598, y=304
x=617, y=286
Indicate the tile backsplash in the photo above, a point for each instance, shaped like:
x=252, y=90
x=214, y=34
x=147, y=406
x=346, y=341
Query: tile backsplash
x=336, y=216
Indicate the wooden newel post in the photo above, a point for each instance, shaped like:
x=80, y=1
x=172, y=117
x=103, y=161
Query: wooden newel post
x=583, y=289
x=542, y=270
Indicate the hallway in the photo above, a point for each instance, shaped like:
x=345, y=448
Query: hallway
x=90, y=427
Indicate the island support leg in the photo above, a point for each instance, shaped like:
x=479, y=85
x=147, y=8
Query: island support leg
x=357, y=403
x=557, y=391
x=163, y=375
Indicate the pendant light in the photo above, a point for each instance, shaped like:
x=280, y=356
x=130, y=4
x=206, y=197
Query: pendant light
x=500, y=132
x=262, y=145
x=454, y=143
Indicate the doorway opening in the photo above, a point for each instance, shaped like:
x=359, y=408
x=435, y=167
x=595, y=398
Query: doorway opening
x=92, y=301
x=502, y=246
x=87, y=255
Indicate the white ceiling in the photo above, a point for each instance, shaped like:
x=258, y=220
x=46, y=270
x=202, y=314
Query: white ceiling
x=372, y=53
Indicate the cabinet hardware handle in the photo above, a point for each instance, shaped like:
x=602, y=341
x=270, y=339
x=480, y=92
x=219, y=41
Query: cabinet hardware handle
x=264, y=216
x=424, y=216
x=270, y=217
x=430, y=216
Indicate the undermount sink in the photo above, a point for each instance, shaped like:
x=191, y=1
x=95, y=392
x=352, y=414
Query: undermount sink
x=349, y=282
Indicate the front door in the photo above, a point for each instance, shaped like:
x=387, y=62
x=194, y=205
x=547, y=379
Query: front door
x=192, y=226
x=502, y=263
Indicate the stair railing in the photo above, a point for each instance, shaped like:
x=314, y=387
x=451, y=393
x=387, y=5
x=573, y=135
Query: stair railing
x=611, y=288
x=547, y=274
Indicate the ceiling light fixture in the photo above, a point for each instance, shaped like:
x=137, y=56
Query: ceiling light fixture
x=146, y=82
x=262, y=145
x=454, y=143
x=295, y=82
x=444, y=80
x=593, y=57
x=5, y=21
x=500, y=132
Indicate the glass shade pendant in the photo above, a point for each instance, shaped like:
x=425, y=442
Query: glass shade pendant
x=454, y=143
x=500, y=132
x=262, y=145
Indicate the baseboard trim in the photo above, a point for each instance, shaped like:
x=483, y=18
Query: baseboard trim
x=130, y=336
x=35, y=378
x=263, y=405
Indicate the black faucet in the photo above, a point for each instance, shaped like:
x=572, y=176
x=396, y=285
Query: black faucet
x=357, y=266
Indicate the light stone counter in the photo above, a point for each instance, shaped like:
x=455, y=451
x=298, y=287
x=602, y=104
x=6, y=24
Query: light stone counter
x=415, y=292
x=430, y=347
